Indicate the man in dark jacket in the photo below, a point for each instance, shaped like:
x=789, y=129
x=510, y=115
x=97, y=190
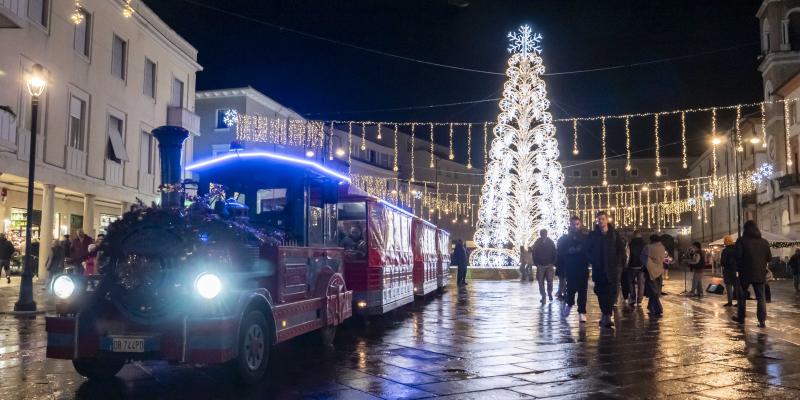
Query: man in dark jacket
x=728, y=261
x=79, y=250
x=460, y=260
x=752, y=257
x=605, y=250
x=6, y=252
x=633, y=277
x=794, y=267
x=544, y=258
x=575, y=268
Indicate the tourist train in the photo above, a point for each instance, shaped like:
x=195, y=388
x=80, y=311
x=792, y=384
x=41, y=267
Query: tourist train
x=271, y=247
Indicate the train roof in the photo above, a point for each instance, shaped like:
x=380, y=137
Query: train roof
x=251, y=161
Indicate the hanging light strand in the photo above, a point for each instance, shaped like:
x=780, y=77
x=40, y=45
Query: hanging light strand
x=714, y=142
x=628, y=144
x=485, y=144
x=451, y=156
x=363, y=136
x=788, y=132
x=349, y=147
x=330, y=142
x=395, y=167
x=737, y=131
x=469, y=146
x=683, y=140
x=413, y=137
x=380, y=135
x=575, y=137
x=432, y=149
x=77, y=15
x=658, y=146
x=605, y=160
x=763, y=126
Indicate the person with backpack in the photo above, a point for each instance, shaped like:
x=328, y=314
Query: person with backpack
x=605, y=250
x=752, y=256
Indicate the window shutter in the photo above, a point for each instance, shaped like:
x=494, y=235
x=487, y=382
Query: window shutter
x=115, y=136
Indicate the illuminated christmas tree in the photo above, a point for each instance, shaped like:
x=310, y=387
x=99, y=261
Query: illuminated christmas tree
x=523, y=190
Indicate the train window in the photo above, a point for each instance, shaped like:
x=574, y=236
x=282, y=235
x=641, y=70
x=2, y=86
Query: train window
x=331, y=228
x=351, y=229
x=316, y=220
x=271, y=200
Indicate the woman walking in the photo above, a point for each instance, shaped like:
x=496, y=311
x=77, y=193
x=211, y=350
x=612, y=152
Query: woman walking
x=653, y=258
x=728, y=261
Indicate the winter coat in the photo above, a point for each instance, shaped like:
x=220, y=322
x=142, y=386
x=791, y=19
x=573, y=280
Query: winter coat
x=571, y=260
x=634, y=260
x=525, y=257
x=606, y=253
x=544, y=252
x=728, y=261
x=459, y=255
x=6, y=249
x=655, y=253
x=752, y=257
x=794, y=264
x=696, y=262
x=79, y=249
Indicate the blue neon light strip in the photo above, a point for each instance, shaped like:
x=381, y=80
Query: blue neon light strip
x=268, y=155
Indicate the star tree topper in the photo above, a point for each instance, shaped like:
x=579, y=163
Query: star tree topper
x=524, y=41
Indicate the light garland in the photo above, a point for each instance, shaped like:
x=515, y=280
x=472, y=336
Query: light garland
x=363, y=136
x=432, y=149
x=413, y=150
x=485, y=144
x=349, y=147
x=658, y=147
x=575, y=137
x=395, y=168
x=737, y=131
x=683, y=140
x=469, y=146
x=763, y=126
x=380, y=135
x=714, y=142
x=524, y=185
x=628, y=166
x=788, y=139
x=605, y=161
x=451, y=156
x=77, y=13
x=291, y=132
x=330, y=142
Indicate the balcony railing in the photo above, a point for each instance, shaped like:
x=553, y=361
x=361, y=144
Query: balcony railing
x=788, y=181
x=114, y=173
x=12, y=13
x=8, y=130
x=179, y=116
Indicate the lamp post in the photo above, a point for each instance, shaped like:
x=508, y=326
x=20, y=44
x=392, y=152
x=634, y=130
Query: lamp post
x=36, y=85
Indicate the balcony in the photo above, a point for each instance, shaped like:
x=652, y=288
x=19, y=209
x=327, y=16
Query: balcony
x=76, y=161
x=8, y=130
x=179, y=116
x=114, y=172
x=12, y=13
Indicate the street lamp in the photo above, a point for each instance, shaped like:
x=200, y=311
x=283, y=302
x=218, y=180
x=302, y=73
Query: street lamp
x=36, y=84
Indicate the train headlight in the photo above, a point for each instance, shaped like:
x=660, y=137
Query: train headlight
x=63, y=287
x=208, y=285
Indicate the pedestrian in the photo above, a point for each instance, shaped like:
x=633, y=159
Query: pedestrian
x=696, y=265
x=752, y=256
x=653, y=257
x=576, y=270
x=544, y=258
x=635, y=272
x=55, y=263
x=561, y=292
x=525, y=264
x=79, y=250
x=605, y=251
x=728, y=261
x=794, y=268
x=460, y=260
x=6, y=253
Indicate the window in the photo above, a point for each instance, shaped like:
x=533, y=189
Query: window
x=373, y=157
x=613, y=172
x=595, y=173
x=115, y=150
x=146, y=153
x=793, y=30
x=220, y=123
x=82, y=38
x=149, y=86
x=38, y=11
x=796, y=208
x=177, y=93
x=77, y=123
x=119, y=50
x=576, y=173
x=634, y=172
x=663, y=171
x=765, y=37
x=384, y=160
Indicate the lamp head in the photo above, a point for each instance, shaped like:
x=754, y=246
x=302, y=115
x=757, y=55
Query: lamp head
x=36, y=81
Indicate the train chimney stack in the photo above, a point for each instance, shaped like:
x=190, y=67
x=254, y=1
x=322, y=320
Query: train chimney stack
x=170, y=143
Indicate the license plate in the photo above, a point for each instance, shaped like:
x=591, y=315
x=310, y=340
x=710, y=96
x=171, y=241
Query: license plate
x=127, y=345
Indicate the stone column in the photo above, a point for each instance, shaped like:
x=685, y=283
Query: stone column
x=46, y=229
x=88, y=214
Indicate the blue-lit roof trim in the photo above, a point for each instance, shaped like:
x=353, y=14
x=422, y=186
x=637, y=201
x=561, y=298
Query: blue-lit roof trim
x=268, y=155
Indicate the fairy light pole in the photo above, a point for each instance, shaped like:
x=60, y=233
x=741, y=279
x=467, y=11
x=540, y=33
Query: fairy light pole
x=36, y=85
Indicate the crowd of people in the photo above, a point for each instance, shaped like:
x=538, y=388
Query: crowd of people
x=637, y=268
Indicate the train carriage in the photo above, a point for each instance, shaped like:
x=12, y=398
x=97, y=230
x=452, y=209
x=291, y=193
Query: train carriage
x=423, y=239
x=220, y=281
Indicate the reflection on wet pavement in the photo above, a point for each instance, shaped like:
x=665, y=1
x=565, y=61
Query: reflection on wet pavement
x=492, y=340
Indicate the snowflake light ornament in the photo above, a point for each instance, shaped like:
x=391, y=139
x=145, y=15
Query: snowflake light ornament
x=691, y=201
x=524, y=41
x=708, y=196
x=231, y=118
x=766, y=170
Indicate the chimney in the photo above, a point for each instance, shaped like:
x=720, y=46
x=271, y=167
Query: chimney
x=170, y=142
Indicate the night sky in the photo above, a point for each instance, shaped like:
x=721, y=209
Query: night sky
x=324, y=80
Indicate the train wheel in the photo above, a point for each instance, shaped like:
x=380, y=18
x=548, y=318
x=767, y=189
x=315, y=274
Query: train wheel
x=254, y=348
x=326, y=335
x=98, y=370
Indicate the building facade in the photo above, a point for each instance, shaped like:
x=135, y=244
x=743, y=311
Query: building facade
x=110, y=80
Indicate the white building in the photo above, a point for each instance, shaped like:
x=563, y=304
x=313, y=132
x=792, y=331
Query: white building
x=111, y=79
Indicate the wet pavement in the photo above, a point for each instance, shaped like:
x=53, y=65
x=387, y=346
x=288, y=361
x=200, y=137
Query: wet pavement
x=492, y=340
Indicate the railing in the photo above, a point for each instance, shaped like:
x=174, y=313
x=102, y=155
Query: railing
x=12, y=13
x=76, y=161
x=8, y=130
x=788, y=180
x=179, y=116
x=114, y=173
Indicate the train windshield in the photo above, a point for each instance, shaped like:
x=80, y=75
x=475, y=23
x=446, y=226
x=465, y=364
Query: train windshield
x=352, y=228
